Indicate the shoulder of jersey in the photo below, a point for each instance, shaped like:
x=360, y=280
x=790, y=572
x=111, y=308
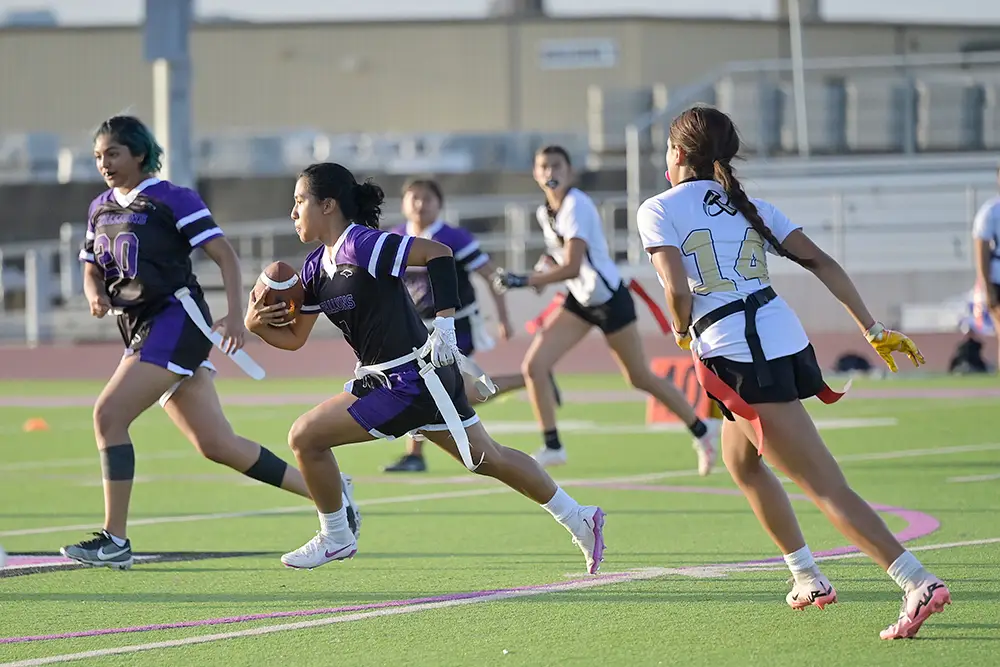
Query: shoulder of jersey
x=577, y=197
x=659, y=200
x=312, y=260
x=764, y=207
x=100, y=200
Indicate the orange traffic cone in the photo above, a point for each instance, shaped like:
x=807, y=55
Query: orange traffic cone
x=36, y=424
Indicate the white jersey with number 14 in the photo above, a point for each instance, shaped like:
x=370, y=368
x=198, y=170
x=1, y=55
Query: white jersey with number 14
x=725, y=260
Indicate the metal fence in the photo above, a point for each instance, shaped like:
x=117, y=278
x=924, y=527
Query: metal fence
x=892, y=224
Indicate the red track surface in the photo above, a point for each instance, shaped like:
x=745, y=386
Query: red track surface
x=332, y=357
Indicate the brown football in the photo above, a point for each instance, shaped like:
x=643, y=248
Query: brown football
x=279, y=282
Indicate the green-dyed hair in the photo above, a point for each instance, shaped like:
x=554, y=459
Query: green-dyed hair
x=130, y=132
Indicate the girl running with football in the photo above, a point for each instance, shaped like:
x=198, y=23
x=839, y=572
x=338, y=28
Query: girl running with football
x=708, y=240
x=597, y=297
x=406, y=380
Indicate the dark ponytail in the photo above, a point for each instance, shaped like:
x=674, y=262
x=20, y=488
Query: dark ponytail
x=359, y=202
x=368, y=199
x=710, y=141
x=738, y=197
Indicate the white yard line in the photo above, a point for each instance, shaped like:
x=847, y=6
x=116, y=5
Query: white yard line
x=604, y=580
x=90, y=461
x=974, y=478
x=648, y=477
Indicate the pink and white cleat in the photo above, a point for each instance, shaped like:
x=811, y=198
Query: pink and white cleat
x=320, y=550
x=706, y=447
x=928, y=598
x=588, y=534
x=816, y=592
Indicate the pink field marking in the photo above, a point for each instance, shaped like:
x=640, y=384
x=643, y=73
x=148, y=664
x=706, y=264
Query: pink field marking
x=918, y=525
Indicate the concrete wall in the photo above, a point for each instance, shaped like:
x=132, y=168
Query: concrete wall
x=395, y=76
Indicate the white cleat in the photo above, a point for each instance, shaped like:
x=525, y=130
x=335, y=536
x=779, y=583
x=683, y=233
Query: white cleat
x=320, y=550
x=928, y=598
x=817, y=592
x=547, y=457
x=587, y=529
x=707, y=447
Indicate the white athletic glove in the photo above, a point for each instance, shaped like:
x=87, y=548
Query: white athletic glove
x=442, y=345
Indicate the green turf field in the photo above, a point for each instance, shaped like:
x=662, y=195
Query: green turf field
x=434, y=546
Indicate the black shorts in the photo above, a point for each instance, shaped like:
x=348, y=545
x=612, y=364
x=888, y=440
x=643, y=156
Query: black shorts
x=613, y=315
x=169, y=338
x=994, y=291
x=794, y=377
x=406, y=405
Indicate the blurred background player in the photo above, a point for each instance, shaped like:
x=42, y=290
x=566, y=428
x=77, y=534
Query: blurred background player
x=707, y=240
x=140, y=235
x=355, y=278
x=422, y=202
x=597, y=296
x=986, y=243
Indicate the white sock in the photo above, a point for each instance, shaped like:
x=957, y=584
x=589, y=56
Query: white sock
x=907, y=571
x=802, y=565
x=561, y=506
x=334, y=525
x=119, y=542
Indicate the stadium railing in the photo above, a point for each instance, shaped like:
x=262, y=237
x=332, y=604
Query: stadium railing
x=893, y=224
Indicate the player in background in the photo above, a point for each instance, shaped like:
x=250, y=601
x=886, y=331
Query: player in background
x=136, y=254
x=406, y=380
x=597, y=296
x=422, y=201
x=986, y=242
x=707, y=240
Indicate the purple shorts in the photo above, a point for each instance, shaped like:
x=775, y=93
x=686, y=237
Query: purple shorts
x=406, y=404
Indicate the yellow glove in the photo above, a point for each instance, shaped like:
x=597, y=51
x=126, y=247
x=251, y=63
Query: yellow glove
x=886, y=341
x=683, y=340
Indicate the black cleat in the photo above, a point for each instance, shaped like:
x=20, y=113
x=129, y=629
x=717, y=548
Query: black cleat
x=408, y=463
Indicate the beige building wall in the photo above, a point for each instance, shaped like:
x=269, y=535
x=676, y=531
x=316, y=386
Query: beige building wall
x=404, y=77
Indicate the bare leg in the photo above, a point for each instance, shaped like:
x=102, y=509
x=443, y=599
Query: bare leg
x=523, y=474
x=311, y=438
x=197, y=412
x=795, y=447
x=561, y=333
x=626, y=347
x=510, y=466
x=133, y=388
x=762, y=489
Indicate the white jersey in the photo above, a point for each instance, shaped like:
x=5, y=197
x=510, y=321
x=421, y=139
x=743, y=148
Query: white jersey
x=578, y=218
x=725, y=260
x=986, y=227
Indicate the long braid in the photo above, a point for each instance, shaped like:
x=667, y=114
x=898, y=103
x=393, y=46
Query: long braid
x=738, y=197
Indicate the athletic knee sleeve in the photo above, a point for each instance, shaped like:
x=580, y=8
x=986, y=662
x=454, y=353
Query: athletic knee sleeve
x=268, y=469
x=118, y=463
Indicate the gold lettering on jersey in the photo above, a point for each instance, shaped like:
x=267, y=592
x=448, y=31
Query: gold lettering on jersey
x=751, y=262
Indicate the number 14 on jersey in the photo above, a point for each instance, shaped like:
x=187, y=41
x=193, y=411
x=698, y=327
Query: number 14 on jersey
x=750, y=264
